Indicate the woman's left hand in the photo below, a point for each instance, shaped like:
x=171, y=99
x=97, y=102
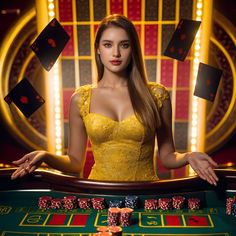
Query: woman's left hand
x=203, y=165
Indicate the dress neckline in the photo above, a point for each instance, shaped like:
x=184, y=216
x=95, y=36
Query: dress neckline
x=98, y=114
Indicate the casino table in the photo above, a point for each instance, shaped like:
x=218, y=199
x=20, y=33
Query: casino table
x=20, y=214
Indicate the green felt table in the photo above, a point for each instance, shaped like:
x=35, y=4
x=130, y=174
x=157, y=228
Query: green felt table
x=20, y=215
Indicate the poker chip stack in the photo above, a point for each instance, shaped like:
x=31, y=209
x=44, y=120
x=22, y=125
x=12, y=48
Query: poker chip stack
x=116, y=203
x=44, y=202
x=231, y=206
x=178, y=202
x=165, y=203
x=131, y=202
x=194, y=203
x=84, y=203
x=113, y=218
x=151, y=204
x=125, y=216
x=56, y=203
x=98, y=203
x=70, y=202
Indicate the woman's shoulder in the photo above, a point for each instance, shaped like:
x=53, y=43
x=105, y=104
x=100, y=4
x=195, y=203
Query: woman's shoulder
x=81, y=98
x=158, y=89
x=84, y=88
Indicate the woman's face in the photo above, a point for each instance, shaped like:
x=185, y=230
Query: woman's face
x=114, y=49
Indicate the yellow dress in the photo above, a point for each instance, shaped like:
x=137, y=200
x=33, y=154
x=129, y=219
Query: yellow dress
x=121, y=150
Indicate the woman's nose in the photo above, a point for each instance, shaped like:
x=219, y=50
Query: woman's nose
x=116, y=51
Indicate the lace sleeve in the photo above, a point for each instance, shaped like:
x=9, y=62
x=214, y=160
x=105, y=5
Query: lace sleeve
x=159, y=92
x=84, y=93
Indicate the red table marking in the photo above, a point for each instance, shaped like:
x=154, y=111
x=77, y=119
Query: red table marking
x=80, y=220
x=57, y=219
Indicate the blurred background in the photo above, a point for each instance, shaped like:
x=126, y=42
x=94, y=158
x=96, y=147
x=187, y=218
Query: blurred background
x=197, y=123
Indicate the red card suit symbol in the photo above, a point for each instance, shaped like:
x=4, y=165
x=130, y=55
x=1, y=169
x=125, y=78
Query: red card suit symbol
x=208, y=79
x=183, y=36
x=182, y=39
x=181, y=51
x=50, y=43
x=172, y=49
x=25, y=97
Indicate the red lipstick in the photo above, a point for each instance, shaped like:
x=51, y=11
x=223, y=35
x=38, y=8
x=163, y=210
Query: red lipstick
x=115, y=62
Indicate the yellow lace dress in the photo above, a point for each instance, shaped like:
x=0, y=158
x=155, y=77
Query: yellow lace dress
x=121, y=150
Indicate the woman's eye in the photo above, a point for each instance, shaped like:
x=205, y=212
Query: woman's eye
x=125, y=45
x=107, y=45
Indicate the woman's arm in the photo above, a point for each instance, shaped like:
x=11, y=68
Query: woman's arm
x=201, y=163
x=73, y=162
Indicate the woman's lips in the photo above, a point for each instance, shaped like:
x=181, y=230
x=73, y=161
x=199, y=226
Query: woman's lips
x=115, y=62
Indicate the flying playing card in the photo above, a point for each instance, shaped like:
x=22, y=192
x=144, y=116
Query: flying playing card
x=25, y=97
x=182, y=39
x=50, y=43
x=208, y=79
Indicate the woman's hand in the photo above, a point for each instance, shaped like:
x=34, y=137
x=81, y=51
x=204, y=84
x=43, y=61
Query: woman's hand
x=28, y=163
x=203, y=165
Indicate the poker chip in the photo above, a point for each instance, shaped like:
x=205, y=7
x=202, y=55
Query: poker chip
x=113, y=218
x=194, y=203
x=102, y=229
x=84, y=203
x=56, y=203
x=131, y=202
x=44, y=202
x=151, y=204
x=125, y=216
x=116, y=203
x=115, y=230
x=98, y=203
x=70, y=202
x=178, y=202
x=165, y=203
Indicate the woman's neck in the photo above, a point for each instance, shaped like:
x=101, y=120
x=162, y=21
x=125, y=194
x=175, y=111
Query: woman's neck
x=113, y=80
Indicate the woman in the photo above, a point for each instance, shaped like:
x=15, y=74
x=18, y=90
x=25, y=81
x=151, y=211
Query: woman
x=121, y=116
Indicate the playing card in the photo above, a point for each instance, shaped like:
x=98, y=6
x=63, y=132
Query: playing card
x=208, y=79
x=182, y=39
x=50, y=43
x=25, y=97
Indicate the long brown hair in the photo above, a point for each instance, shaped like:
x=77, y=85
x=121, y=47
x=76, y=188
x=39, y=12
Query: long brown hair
x=142, y=101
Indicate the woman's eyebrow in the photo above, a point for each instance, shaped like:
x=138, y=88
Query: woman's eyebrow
x=110, y=41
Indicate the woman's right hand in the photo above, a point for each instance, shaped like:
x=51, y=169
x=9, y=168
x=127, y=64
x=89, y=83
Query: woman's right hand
x=28, y=163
